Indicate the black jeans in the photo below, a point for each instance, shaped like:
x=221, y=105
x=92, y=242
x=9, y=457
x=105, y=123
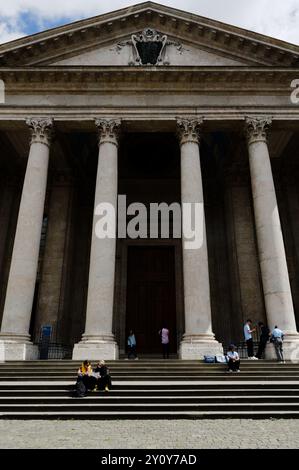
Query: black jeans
x=103, y=381
x=278, y=349
x=165, y=348
x=233, y=365
x=89, y=381
x=261, y=348
x=132, y=351
x=249, y=343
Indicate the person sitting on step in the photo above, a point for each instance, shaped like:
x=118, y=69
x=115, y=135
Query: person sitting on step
x=104, y=380
x=233, y=359
x=85, y=377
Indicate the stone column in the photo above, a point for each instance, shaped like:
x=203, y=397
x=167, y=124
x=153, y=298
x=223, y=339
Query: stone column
x=198, y=339
x=272, y=258
x=98, y=341
x=24, y=262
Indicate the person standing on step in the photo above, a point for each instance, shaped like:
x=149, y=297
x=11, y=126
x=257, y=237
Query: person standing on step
x=277, y=339
x=248, y=330
x=132, y=345
x=164, y=335
x=264, y=338
x=233, y=359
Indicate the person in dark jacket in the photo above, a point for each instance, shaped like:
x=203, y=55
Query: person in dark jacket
x=104, y=378
x=264, y=338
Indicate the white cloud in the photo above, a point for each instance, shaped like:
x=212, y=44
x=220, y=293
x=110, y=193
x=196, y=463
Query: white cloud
x=8, y=34
x=272, y=17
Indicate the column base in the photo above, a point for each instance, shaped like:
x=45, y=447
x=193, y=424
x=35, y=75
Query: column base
x=95, y=350
x=290, y=349
x=197, y=346
x=17, y=349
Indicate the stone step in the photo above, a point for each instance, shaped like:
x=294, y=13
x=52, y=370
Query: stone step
x=115, y=415
x=15, y=393
x=165, y=384
x=164, y=389
x=150, y=371
x=104, y=405
x=151, y=367
x=137, y=387
x=140, y=365
x=149, y=400
x=132, y=361
x=228, y=377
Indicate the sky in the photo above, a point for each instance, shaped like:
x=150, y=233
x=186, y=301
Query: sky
x=277, y=18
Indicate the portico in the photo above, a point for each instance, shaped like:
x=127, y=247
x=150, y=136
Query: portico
x=182, y=130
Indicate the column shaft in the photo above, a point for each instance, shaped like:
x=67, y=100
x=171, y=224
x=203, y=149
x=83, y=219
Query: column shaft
x=275, y=277
x=198, y=338
x=23, y=269
x=98, y=340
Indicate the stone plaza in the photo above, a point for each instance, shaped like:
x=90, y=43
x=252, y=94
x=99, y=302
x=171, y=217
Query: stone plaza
x=151, y=434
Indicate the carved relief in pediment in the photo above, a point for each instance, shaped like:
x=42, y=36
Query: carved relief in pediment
x=149, y=47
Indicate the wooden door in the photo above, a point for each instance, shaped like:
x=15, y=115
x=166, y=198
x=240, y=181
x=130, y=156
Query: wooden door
x=151, y=296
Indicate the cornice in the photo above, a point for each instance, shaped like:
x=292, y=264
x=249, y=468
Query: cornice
x=213, y=35
x=148, y=79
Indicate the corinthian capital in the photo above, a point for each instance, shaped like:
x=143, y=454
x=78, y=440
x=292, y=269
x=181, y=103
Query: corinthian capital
x=108, y=130
x=189, y=130
x=256, y=128
x=41, y=130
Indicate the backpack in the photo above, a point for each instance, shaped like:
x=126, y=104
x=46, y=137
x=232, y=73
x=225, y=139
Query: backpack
x=80, y=389
x=209, y=359
x=220, y=359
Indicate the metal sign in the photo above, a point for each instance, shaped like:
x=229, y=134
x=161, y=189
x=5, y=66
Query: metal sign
x=46, y=331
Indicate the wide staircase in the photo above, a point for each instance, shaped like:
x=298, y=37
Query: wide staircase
x=160, y=389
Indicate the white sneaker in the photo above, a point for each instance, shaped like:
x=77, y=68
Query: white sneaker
x=238, y=370
x=253, y=358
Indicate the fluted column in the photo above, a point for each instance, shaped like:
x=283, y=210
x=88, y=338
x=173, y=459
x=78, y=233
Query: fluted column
x=24, y=262
x=272, y=257
x=98, y=340
x=198, y=339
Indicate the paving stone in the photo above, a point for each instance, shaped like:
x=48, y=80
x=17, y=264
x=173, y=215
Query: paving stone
x=153, y=434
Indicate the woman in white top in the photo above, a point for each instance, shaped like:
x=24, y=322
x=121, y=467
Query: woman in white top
x=233, y=359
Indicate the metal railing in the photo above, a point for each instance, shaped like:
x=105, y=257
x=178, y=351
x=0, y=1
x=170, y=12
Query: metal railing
x=242, y=349
x=51, y=350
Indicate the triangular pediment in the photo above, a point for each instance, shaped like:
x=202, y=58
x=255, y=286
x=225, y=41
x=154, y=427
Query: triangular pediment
x=123, y=53
x=106, y=40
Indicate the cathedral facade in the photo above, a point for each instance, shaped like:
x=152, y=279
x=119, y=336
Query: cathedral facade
x=153, y=106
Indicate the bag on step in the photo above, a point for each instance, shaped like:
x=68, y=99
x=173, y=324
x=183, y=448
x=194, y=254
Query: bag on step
x=80, y=389
x=220, y=359
x=209, y=359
